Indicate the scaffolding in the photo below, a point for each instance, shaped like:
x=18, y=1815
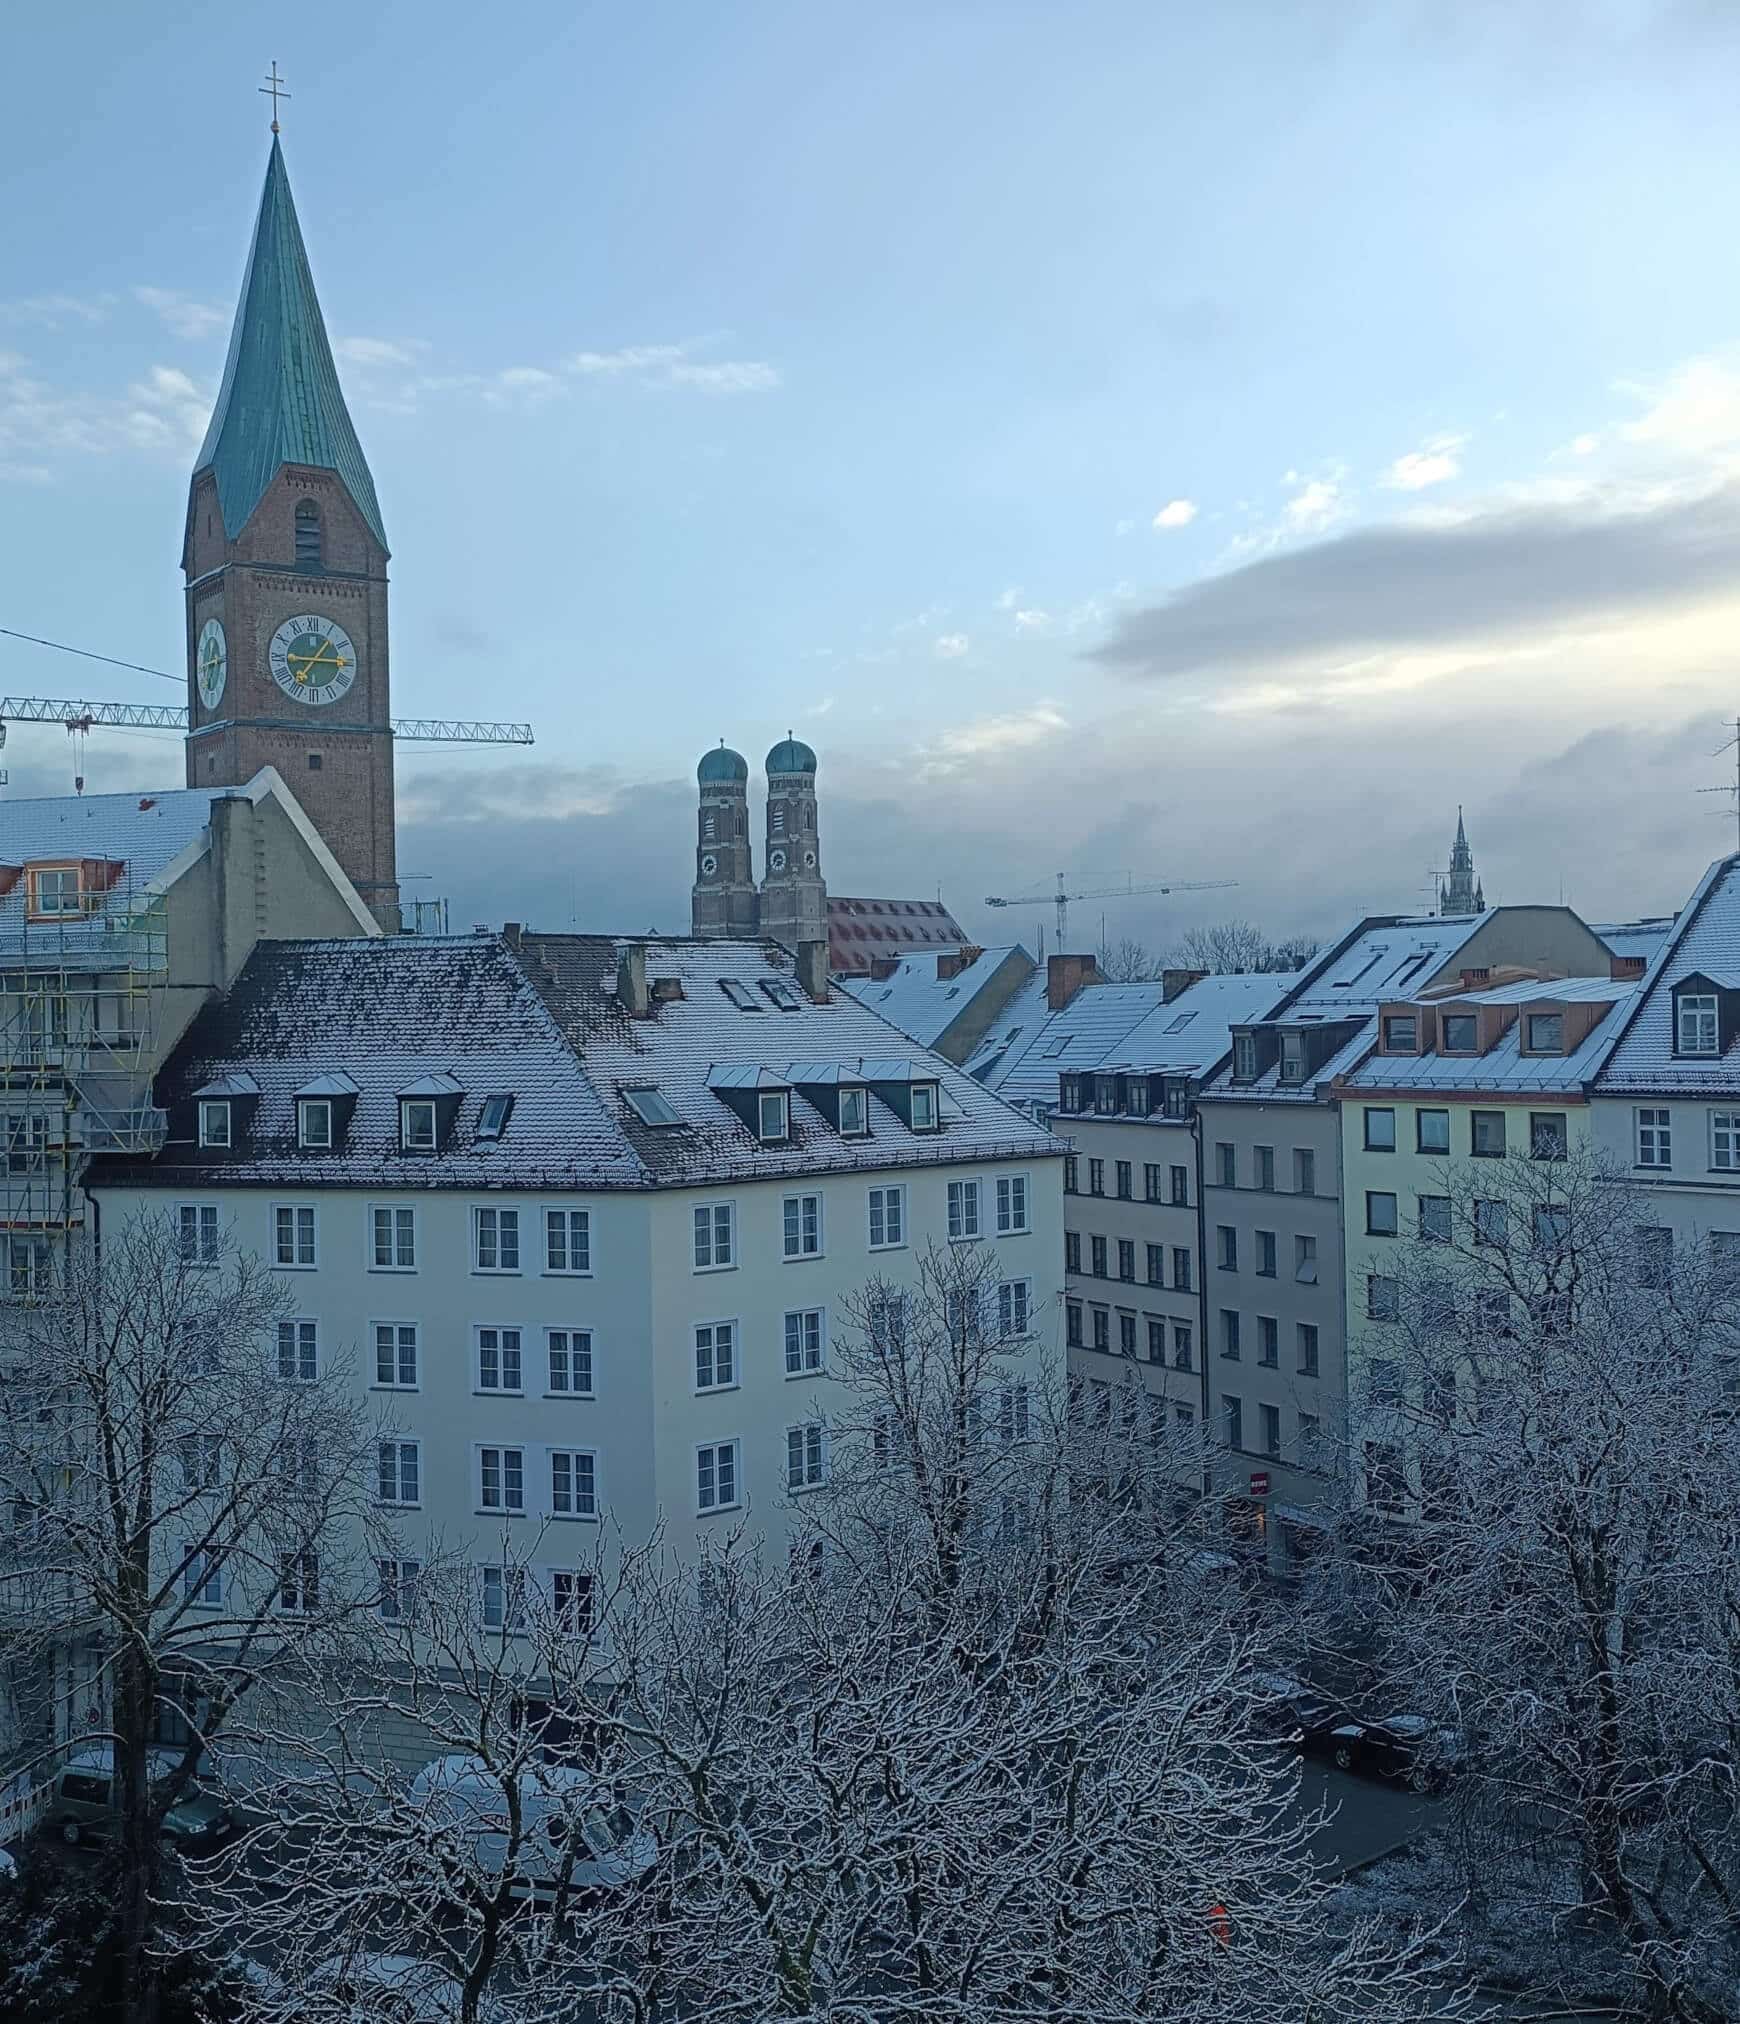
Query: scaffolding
x=81, y=998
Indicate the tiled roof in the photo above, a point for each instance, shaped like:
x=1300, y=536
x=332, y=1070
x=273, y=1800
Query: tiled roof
x=544, y=1025
x=920, y=1002
x=1192, y=1033
x=860, y=930
x=1705, y=941
x=1504, y=1066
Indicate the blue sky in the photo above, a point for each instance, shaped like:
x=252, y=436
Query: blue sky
x=1125, y=437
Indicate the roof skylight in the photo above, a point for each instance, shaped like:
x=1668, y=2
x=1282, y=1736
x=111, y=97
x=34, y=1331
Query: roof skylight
x=650, y=1106
x=492, y=1119
x=740, y=994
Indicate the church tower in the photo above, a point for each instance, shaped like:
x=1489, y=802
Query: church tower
x=723, y=901
x=1462, y=891
x=285, y=557
x=794, y=899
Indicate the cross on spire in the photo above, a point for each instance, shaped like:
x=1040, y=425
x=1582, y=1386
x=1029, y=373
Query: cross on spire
x=273, y=89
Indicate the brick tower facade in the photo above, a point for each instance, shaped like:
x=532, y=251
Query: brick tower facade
x=285, y=559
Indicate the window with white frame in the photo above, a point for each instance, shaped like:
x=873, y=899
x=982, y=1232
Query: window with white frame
x=1725, y=1141
x=1014, y=1414
x=396, y=1355
x=416, y=1124
x=772, y=1116
x=501, y=1479
x=1014, y=1307
x=202, y=1461
x=1012, y=1205
x=854, y=1113
x=887, y=1218
x=398, y=1473
x=567, y=1240
x=298, y=1582
x=196, y=1226
x=715, y=1355
x=716, y=1476
x=214, y=1122
x=924, y=1106
x=396, y=1602
x=1655, y=1139
x=29, y=1267
x=503, y=1595
x=806, y=1456
x=293, y=1235
x=393, y=1239
x=571, y=1601
x=1696, y=1029
x=498, y=1360
x=298, y=1351
x=715, y=1236
x=202, y=1578
x=298, y=1465
x=55, y=891
x=963, y=1210
x=570, y=1362
x=314, y=1123
x=495, y=1240
x=803, y=1342
x=573, y=1483
x=802, y=1226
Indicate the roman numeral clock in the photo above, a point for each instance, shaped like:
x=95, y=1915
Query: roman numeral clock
x=312, y=660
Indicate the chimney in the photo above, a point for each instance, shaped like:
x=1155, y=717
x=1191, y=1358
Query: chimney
x=631, y=990
x=952, y=962
x=812, y=970
x=510, y=933
x=1623, y=968
x=1064, y=977
x=1174, y=983
x=882, y=968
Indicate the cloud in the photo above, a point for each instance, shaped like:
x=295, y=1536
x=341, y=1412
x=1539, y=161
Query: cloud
x=1437, y=462
x=633, y=358
x=1176, y=513
x=1585, y=446
x=992, y=737
x=1378, y=589
x=375, y=352
x=733, y=376
x=1032, y=621
x=951, y=646
x=1009, y=599
x=55, y=312
x=1695, y=409
x=522, y=385
x=165, y=411
x=182, y=316
x=671, y=365
x=1317, y=504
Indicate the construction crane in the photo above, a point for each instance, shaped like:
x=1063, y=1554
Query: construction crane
x=80, y=716
x=1130, y=889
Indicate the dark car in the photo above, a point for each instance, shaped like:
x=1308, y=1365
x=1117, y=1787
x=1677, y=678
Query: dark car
x=1399, y=1749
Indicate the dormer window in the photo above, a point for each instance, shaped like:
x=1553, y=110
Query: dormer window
x=214, y=1122
x=854, y=1113
x=1401, y=1033
x=416, y=1124
x=772, y=1116
x=924, y=1106
x=492, y=1119
x=1695, y=1026
x=1244, y=1057
x=1546, y=1033
x=650, y=1106
x=314, y=1123
x=54, y=891
x=1136, y=1103
x=1105, y=1095
x=1461, y=1033
x=1069, y=1092
x=1292, y=1057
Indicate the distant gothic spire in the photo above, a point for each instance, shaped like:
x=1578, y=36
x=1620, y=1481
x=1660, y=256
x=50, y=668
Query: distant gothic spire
x=1462, y=890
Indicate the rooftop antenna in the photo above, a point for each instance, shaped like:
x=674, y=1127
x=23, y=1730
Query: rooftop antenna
x=273, y=89
x=1733, y=745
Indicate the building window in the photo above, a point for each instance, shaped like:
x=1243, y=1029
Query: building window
x=1126, y=1258
x=298, y=1351
x=1305, y=1333
x=716, y=1476
x=1725, y=1140
x=1155, y=1259
x=1071, y=1174
x=1102, y=1324
x=504, y=1598
x=1491, y=1223
x=1125, y=1180
x=1654, y=1250
x=1382, y=1297
x=772, y=1116
x=1380, y=1131
x=1232, y=1418
x=1096, y=1177
x=806, y=1456
x=801, y=1226
x=293, y=1235
x=715, y=1355
x=1072, y=1250
x=1460, y=1033
x=498, y=1360
x=1180, y=1268
x=1265, y=1254
x=398, y=1473
x=803, y=1342
x=715, y=1236
x=1156, y=1340
x=1695, y=1024
x=396, y=1355
x=924, y=1106
x=214, y=1122
x=501, y=1479
x=1180, y=1187
x=1151, y=1183
x=1105, y=1095
x=202, y=1579
x=573, y=1483
x=1012, y=1203
x=30, y=1267
x=298, y=1583
x=1432, y=1131
x=964, y=1207
x=570, y=1362
x=1072, y=1324
x=1655, y=1139
x=394, y=1237
x=1127, y=1334
x=1486, y=1134
x=1292, y=1057
x=1225, y=1165
x=1305, y=1261
x=495, y=1240
x=1226, y=1240
x=1244, y=1057
x=1229, y=1333
x=571, y=1601
x=196, y=1226
x=398, y=1586
x=1271, y=1424
x=54, y=893
x=1549, y=1137
x=1304, y=1171
x=314, y=1123
x=1181, y=1345
x=567, y=1240
x=1268, y=1341
x=1097, y=1254
x=1380, y=1213
x=1265, y=1164
x=1546, y=1033
x=1401, y=1033
x=854, y=1113
x=416, y=1124
x=307, y=534
x=1434, y=1219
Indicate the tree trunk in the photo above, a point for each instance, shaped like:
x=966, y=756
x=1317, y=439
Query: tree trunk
x=135, y=1834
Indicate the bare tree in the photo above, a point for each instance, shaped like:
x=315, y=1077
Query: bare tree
x=186, y=1490
x=1236, y=948
x=1129, y=962
x=1548, y=1552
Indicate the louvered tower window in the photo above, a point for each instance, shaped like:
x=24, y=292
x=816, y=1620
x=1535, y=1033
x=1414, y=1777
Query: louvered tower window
x=307, y=535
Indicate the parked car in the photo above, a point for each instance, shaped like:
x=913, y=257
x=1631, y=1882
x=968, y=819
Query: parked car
x=1399, y=1749
x=389, y=1989
x=1287, y=1709
x=571, y=1823
x=81, y=1803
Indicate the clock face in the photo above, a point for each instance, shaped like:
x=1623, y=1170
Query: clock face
x=809, y=860
x=312, y=659
x=709, y=865
x=211, y=663
x=776, y=860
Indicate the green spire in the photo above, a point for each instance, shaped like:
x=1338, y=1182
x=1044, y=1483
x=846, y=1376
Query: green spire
x=280, y=402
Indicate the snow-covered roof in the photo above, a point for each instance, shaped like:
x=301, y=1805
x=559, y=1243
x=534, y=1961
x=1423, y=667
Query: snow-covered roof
x=1504, y=1066
x=468, y=1017
x=921, y=1003
x=1192, y=1033
x=1705, y=941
